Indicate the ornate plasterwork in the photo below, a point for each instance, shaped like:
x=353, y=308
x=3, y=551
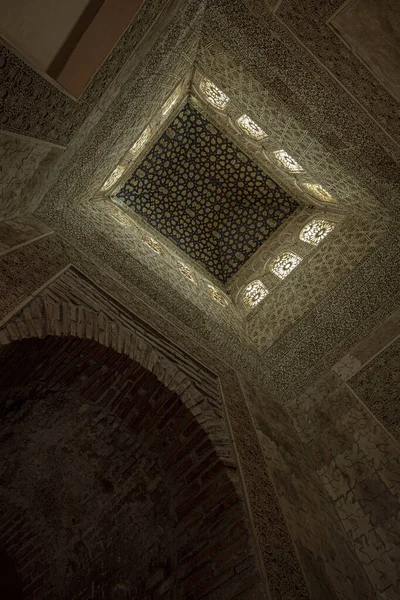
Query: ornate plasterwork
x=213, y=94
x=113, y=178
x=254, y=293
x=295, y=93
x=66, y=205
x=251, y=128
x=315, y=231
x=201, y=192
x=284, y=264
x=26, y=165
x=49, y=113
x=141, y=141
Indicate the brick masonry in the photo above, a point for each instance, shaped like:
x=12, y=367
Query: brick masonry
x=71, y=305
x=113, y=483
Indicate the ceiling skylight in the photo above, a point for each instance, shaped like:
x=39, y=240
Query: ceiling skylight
x=216, y=295
x=251, y=128
x=171, y=101
x=112, y=180
x=318, y=192
x=141, y=141
x=186, y=272
x=284, y=264
x=287, y=162
x=151, y=243
x=253, y=293
x=213, y=95
x=315, y=231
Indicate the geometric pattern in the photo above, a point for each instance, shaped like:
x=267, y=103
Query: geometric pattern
x=213, y=95
x=253, y=293
x=197, y=189
x=315, y=231
x=284, y=264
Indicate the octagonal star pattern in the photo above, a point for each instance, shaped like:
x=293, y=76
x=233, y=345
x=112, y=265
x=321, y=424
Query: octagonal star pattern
x=201, y=192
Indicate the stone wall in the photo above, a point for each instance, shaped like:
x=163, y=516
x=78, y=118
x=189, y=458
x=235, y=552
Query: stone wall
x=110, y=483
x=348, y=421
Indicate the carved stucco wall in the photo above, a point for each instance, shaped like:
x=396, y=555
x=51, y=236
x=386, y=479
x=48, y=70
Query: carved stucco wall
x=319, y=273
x=20, y=231
x=348, y=421
x=351, y=153
x=303, y=351
x=25, y=166
x=324, y=551
x=373, y=310
x=330, y=132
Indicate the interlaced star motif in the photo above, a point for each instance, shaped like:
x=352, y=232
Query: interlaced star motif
x=198, y=190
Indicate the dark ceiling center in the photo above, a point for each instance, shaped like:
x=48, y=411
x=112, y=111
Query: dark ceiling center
x=205, y=195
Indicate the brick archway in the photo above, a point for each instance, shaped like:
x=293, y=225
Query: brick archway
x=210, y=553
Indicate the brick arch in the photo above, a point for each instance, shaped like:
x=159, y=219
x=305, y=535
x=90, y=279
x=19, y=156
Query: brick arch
x=42, y=318
x=212, y=548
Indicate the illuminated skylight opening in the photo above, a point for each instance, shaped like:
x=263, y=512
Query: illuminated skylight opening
x=287, y=162
x=253, y=293
x=141, y=141
x=251, y=128
x=318, y=192
x=315, y=231
x=171, y=101
x=186, y=272
x=112, y=180
x=216, y=295
x=213, y=95
x=284, y=264
x=151, y=243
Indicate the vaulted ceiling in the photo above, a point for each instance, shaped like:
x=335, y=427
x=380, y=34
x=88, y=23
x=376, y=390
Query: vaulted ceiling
x=196, y=188
x=298, y=70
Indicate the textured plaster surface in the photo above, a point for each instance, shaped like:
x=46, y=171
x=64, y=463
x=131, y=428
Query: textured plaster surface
x=25, y=166
x=322, y=546
x=20, y=231
x=348, y=421
x=371, y=29
x=71, y=305
x=378, y=385
x=315, y=349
